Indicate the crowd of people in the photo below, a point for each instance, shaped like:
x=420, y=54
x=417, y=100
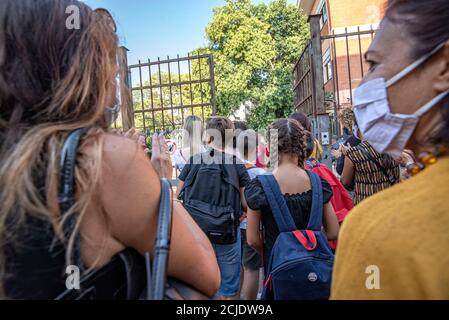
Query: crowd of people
x=384, y=205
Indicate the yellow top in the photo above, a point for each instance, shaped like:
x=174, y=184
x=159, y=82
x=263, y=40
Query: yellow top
x=396, y=243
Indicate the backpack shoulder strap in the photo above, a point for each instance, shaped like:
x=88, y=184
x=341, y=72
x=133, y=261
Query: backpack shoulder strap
x=316, y=213
x=276, y=200
x=66, y=196
x=67, y=170
x=162, y=245
x=191, y=176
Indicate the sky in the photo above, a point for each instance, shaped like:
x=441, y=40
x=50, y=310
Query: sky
x=157, y=28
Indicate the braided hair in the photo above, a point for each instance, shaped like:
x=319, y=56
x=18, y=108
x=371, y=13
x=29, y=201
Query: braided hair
x=291, y=139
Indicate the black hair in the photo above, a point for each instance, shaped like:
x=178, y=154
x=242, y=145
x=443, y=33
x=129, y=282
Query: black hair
x=291, y=139
x=303, y=120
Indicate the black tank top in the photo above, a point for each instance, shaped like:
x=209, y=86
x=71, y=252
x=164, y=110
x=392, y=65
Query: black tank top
x=35, y=262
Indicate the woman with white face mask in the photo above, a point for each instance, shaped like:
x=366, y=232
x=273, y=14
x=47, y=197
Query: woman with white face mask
x=395, y=244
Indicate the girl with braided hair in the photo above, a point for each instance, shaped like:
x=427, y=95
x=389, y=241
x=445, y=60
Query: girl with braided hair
x=295, y=186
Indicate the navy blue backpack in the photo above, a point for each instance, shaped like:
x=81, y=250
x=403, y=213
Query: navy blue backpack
x=301, y=261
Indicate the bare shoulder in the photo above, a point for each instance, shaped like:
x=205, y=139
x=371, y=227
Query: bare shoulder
x=128, y=196
x=126, y=166
x=121, y=154
x=130, y=191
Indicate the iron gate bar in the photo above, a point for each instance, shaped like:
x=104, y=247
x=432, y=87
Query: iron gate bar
x=335, y=98
x=305, y=73
x=335, y=75
x=167, y=86
x=173, y=84
x=127, y=107
x=198, y=105
x=131, y=94
x=302, y=78
x=360, y=51
x=142, y=98
x=305, y=99
x=302, y=54
x=151, y=94
x=180, y=89
x=171, y=95
x=161, y=92
x=190, y=79
x=349, y=64
x=189, y=57
x=212, y=84
x=309, y=84
x=313, y=86
x=201, y=88
x=348, y=34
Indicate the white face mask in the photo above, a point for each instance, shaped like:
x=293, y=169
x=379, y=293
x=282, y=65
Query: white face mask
x=389, y=132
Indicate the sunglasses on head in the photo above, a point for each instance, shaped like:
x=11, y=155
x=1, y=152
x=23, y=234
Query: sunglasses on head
x=106, y=14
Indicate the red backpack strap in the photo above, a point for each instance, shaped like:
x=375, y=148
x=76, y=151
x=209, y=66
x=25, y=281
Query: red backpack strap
x=311, y=238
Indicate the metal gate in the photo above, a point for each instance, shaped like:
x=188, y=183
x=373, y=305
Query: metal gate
x=344, y=69
x=325, y=75
x=303, y=83
x=328, y=70
x=164, y=92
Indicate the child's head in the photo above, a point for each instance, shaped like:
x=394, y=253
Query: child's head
x=219, y=132
x=303, y=120
x=291, y=139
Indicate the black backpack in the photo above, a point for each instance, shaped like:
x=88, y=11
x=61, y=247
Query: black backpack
x=211, y=194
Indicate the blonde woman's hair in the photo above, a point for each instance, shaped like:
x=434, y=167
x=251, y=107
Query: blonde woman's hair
x=192, y=124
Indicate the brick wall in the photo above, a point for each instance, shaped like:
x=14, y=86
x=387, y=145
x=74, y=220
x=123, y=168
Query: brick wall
x=346, y=13
x=348, y=68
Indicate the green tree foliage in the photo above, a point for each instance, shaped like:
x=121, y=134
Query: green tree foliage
x=255, y=48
